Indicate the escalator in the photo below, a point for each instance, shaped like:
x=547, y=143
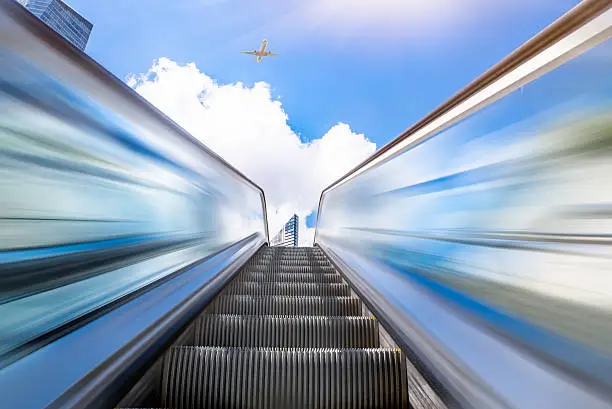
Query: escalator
x=287, y=332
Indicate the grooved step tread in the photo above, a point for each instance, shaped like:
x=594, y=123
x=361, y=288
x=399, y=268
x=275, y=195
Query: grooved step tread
x=295, y=256
x=284, y=305
x=289, y=289
x=256, y=276
x=290, y=268
x=286, y=331
x=198, y=377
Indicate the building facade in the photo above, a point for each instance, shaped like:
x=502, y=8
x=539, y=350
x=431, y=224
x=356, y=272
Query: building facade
x=288, y=235
x=61, y=18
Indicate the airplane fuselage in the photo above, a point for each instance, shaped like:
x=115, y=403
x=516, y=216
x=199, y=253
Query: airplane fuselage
x=264, y=45
x=262, y=51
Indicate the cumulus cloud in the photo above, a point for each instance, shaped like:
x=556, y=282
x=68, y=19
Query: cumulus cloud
x=248, y=128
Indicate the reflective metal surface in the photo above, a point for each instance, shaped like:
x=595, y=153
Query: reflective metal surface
x=100, y=194
x=498, y=210
x=90, y=367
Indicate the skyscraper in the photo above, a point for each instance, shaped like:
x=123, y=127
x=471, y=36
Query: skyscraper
x=61, y=18
x=288, y=235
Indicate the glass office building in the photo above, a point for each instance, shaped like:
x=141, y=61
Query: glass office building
x=61, y=18
x=288, y=235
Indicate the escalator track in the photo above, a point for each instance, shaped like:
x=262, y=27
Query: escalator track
x=287, y=332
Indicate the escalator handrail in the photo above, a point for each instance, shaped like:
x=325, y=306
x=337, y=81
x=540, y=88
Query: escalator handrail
x=99, y=358
x=570, y=22
x=60, y=45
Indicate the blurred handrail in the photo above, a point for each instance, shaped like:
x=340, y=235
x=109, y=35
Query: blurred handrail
x=135, y=331
x=85, y=62
x=577, y=17
x=573, y=19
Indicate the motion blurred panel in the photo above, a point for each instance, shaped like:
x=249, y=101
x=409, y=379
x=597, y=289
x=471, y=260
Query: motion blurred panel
x=505, y=216
x=100, y=194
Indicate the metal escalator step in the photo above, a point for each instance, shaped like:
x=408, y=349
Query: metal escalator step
x=282, y=305
x=290, y=268
x=270, y=256
x=210, y=377
x=279, y=253
x=303, y=256
x=276, y=253
x=223, y=330
x=271, y=268
x=293, y=263
x=289, y=263
x=297, y=259
x=290, y=254
x=290, y=289
x=262, y=277
x=291, y=249
x=295, y=255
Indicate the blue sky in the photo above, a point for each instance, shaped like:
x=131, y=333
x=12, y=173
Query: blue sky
x=378, y=81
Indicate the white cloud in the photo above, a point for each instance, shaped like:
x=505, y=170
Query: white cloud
x=249, y=129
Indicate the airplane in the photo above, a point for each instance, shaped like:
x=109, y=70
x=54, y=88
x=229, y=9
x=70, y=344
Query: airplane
x=261, y=53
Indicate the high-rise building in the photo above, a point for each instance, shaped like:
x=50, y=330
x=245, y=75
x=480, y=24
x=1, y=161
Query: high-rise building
x=288, y=235
x=61, y=18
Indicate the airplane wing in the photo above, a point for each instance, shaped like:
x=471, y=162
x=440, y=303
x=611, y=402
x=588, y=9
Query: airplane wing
x=249, y=52
x=271, y=54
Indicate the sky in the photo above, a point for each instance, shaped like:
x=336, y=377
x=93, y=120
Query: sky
x=350, y=76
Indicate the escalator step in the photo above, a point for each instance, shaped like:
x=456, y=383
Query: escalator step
x=278, y=256
x=286, y=332
x=272, y=255
x=287, y=257
x=312, y=257
x=289, y=277
x=209, y=377
x=293, y=254
x=292, y=260
x=291, y=250
x=288, y=254
x=289, y=289
x=273, y=268
x=281, y=305
x=289, y=263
